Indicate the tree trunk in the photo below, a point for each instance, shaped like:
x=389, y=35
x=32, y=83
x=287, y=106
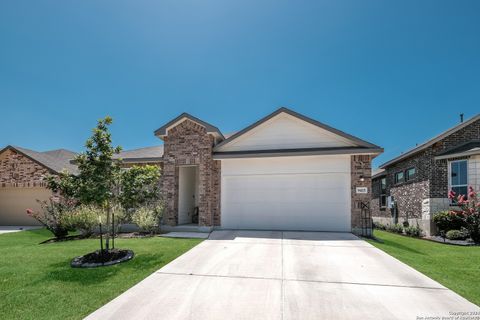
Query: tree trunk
x=107, y=234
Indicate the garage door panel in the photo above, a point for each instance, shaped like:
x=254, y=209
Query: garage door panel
x=287, y=201
x=278, y=219
x=15, y=201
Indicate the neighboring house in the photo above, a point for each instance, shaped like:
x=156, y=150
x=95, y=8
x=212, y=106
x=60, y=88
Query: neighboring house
x=22, y=180
x=23, y=175
x=284, y=172
x=419, y=180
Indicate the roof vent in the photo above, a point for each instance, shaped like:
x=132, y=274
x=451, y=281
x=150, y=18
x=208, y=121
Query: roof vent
x=461, y=117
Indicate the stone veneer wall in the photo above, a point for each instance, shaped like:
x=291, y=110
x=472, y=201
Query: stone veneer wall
x=19, y=171
x=474, y=172
x=361, y=167
x=188, y=143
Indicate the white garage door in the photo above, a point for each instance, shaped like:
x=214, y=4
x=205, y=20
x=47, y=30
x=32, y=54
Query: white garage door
x=287, y=193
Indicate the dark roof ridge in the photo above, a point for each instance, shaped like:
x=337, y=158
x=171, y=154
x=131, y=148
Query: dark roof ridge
x=210, y=128
x=431, y=141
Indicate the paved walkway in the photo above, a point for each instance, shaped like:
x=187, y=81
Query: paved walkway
x=10, y=229
x=284, y=275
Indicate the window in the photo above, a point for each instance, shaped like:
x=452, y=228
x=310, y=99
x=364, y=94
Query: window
x=399, y=178
x=410, y=174
x=383, y=193
x=458, y=180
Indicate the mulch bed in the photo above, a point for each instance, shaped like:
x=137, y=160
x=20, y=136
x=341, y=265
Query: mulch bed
x=467, y=242
x=124, y=235
x=438, y=239
x=67, y=238
x=102, y=258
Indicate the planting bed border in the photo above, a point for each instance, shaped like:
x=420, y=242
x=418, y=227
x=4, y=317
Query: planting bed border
x=78, y=262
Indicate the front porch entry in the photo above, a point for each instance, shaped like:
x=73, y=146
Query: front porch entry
x=188, y=195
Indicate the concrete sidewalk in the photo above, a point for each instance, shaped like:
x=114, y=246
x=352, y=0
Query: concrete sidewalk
x=10, y=229
x=284, y=275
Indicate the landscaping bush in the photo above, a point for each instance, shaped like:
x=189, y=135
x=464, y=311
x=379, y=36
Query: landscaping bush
x=140, y=186
x=147, y=218
x=456, y=235
x=379, y=226
x=396, y=228
x=446, y=221
x=85, y=219
x=413, y=231
x=469, y=213
x=52, y=215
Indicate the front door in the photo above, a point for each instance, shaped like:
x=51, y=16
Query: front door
x=187, y=193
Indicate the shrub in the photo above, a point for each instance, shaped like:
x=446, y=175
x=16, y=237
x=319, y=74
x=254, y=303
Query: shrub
x=147, y=218
x=469, y=213
x=84, y=218
x=379, y=226
x=413, y=231
x=446, y=221
x=52, y=215
x=456, y=235
x=396, y=228
x=140, y=186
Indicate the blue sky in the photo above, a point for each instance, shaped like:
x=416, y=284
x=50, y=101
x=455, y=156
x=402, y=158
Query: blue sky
x=391, y=72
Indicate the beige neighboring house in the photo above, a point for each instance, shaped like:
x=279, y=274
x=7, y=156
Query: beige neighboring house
x=23, y=175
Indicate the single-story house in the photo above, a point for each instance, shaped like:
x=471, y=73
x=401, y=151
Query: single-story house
x=23, y=175
x=283, y=172
x=418, y=181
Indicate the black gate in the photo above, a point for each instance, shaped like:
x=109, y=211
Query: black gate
x=366, y=219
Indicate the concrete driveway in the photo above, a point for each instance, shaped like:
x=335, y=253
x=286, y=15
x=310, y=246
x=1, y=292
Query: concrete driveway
x=285, y=275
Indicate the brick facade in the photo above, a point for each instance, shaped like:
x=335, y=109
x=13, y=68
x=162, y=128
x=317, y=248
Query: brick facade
x=19, y=171
x=188, y=143
x=360, y=173
x=419, y=198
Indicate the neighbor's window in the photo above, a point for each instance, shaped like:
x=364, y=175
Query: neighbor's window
x=383, y=192
x=410, y=174
x=399, y=178
x=458, y=177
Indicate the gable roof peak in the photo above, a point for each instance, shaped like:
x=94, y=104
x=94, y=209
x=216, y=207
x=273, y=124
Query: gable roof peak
x=162, y=131
x=358, y=141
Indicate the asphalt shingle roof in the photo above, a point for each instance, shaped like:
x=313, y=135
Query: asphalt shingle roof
x=154, y=153
x=430, y=142
x=56, y=160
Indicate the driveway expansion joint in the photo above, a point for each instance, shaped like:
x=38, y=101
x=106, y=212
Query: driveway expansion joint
x=300, y=280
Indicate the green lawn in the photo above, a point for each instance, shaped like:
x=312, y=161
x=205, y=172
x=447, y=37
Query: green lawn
x=37, y=282
x=456, y=267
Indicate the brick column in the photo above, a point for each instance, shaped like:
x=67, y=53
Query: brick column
x=361, y=169
x=189, y=144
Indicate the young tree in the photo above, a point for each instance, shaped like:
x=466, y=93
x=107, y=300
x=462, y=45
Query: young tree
x=98, y=176
x=140, y=185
